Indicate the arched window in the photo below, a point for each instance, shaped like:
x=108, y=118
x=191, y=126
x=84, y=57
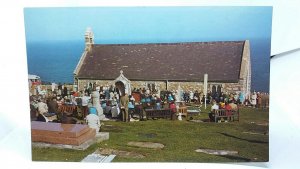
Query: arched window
x=219, y=90
x=213, y=90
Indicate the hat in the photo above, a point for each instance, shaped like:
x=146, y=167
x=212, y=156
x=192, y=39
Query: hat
x=93, y=110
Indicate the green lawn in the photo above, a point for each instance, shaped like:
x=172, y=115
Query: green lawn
x=181, y=139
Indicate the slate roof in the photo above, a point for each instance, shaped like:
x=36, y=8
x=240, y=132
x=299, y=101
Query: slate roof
x=164, y=61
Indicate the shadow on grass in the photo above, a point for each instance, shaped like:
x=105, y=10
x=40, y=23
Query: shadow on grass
x=116, y=129
x=251, y=141
x=237, y=158
x=147, y=135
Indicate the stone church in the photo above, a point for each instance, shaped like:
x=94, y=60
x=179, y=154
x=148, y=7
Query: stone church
x=165, y=66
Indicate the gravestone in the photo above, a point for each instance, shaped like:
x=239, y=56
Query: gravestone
x=98, y=158
x=146, y=145
x=119, y=153
x=217, y=152
x=96, y=104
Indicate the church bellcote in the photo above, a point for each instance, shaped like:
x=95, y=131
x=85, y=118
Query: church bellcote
x=89, y=38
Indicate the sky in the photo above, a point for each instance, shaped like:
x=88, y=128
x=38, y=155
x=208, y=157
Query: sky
x=127, y=25
x=148, y=24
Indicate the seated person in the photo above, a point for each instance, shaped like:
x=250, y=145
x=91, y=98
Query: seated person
x=107, y=109
x=65, y=119
x=148, y=99
x=33, y=113
x=115, y=111
x=233, y=105
x=212, y=113
x=221, y=105
x=228, y=111
x=103, y=104
x=172, y=106
x=93, y=120
x=143, y=99
x=42, y=106
x=139, y=110
x=52, y=106
x=41, y=118
x=170, y=98
x=157, y=105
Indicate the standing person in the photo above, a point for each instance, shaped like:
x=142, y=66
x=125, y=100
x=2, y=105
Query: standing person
x=196, y=96
x=106, y=93
x=185, y=96
x=65, y=91
x=264, y=100
x=124, y=100
x=191, y=96
x=84, y=104
x=131, y=106
x=111, y=95
x=241, y=98
x=59, y=91
x=53, y=85
x=117, y=96
x=259, y=100
x=148, y=91
x=253, y=99
x=214, y=107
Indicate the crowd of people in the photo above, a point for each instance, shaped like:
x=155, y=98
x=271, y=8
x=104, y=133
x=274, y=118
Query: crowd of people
x=111, y=103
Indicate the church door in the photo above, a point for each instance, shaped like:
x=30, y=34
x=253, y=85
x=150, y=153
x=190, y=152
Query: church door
x=121, y=87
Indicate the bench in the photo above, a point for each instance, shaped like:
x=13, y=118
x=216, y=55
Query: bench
x=229, y=114
x=159, y=113
x=68, y=109
x=183, y=111
x=235, y=115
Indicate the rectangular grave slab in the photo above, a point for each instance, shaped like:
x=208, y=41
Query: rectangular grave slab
x=57, y=129
x=57, y=133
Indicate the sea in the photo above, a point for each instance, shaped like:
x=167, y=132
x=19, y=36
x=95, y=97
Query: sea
x=55, y=61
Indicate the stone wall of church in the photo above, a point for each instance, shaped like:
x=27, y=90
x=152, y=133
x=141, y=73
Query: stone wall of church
x=85, y=82
x=162, y=85
x=186, y=86
x=245, y=72
x=234, y=87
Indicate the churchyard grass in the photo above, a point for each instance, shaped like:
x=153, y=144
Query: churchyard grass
x=249, y=137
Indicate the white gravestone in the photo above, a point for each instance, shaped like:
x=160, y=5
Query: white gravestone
x=97, y=105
